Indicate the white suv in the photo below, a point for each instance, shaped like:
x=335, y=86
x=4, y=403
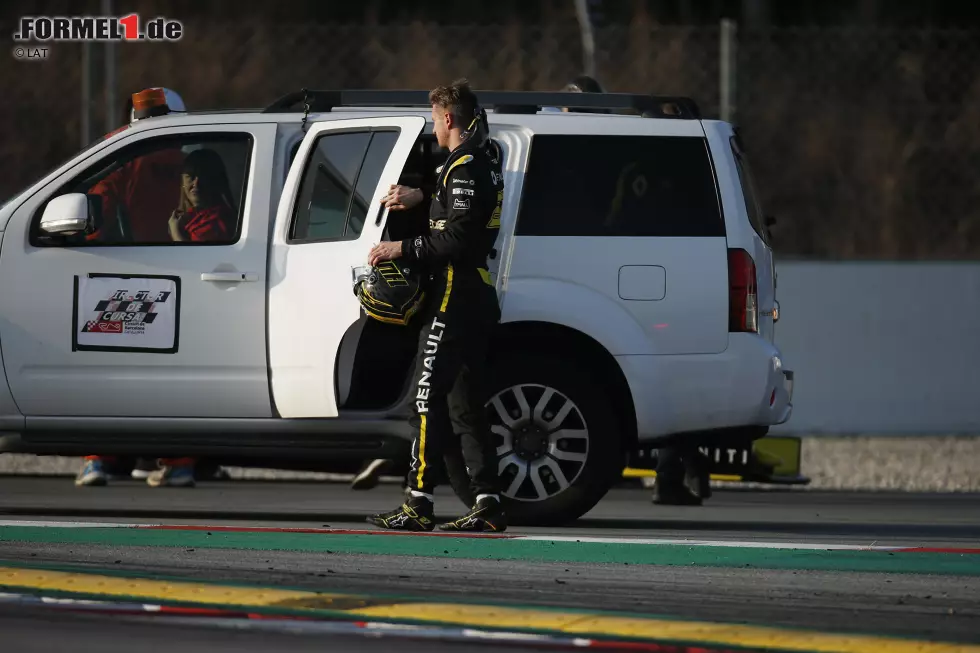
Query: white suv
x=634, y=271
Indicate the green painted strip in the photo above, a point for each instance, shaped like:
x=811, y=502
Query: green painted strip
x=529, y=550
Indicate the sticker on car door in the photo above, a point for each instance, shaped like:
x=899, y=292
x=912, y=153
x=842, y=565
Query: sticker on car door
x=126, y=313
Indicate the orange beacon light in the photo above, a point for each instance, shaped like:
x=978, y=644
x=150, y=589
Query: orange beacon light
x=149, y=102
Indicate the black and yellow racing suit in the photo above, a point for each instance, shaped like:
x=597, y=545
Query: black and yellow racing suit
x=459, y=317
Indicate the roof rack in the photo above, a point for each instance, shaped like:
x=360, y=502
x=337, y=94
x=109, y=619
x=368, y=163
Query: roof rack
x=650, y=106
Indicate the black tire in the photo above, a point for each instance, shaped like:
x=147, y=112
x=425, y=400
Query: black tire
x=603, y=464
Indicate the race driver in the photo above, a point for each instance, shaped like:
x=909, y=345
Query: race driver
x=458, y=320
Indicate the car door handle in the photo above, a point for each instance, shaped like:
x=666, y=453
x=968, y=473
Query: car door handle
x=229, y=276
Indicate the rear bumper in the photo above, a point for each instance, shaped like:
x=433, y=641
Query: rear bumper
x=745, y=385
x=778, y=407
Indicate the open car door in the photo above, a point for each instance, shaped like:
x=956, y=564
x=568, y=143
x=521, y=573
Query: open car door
x=329, y=218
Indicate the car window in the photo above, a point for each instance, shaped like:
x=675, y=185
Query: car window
x=752, y=204
x=382, y=143
x=200, y=180
x=637, y=186
x=338, y=183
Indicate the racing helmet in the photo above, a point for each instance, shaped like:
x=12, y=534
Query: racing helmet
x=390, y=291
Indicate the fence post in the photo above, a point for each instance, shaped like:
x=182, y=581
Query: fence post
x=588, y=39
x=727, y=69
x=111, y=111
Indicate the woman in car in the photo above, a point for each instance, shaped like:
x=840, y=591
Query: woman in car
x=205, y=211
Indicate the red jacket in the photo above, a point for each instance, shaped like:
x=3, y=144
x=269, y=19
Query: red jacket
x=211, y=223
x=148, y=189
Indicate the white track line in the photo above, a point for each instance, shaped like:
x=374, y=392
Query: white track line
x=721, y=543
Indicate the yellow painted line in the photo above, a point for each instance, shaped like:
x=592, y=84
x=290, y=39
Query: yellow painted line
x=760, y=636
x=64, y=581
x=490, y=616
x=497, y=617
x=726, y=477
x=657, y=629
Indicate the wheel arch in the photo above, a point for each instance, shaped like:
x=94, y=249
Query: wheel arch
x=549, y=337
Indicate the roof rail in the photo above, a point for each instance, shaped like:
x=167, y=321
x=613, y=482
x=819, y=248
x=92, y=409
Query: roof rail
x=650, y=106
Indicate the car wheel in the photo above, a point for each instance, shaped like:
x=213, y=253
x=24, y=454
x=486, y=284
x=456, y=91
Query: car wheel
x=558, y=441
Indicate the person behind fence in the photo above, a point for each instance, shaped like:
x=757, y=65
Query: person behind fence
x=458, y=319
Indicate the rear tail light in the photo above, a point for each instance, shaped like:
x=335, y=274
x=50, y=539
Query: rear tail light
x=743, y=304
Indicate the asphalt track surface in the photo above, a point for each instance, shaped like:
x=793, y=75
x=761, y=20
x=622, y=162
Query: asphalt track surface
x=900, y=597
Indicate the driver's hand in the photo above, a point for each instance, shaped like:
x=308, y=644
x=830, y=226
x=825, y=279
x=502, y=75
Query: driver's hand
x=400, y=198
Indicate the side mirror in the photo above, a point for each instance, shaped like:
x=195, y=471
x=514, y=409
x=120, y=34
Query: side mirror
x=67, y=215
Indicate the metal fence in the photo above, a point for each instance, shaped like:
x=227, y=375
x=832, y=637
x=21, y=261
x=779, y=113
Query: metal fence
x=866, y=141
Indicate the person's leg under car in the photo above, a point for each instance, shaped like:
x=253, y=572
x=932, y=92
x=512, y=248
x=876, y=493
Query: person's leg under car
x=669, y=488
x=697, y=473
x=370, y=474
x=92, y=472
x=144, y=467
x=174, y=472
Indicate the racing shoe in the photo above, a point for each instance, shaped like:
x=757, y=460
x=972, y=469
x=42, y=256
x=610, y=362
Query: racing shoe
x=91, y=474
x=486, y=516
x=416, y=514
